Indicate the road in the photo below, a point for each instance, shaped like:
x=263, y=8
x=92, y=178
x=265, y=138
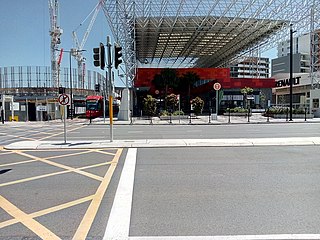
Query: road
x=84, y=132
x=260, y=192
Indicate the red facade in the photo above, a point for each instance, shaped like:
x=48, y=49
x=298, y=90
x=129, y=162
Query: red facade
x=145, y=76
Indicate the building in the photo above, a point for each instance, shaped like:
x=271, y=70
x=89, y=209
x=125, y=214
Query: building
x=27, y=92
x=303, y=95
x=229, y=96
x=251, y=67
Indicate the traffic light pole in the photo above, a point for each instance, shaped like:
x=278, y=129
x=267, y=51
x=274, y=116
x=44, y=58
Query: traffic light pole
x=110, y=88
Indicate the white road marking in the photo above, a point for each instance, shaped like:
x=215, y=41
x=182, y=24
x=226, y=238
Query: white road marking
x=234, y=237
x=119, y=219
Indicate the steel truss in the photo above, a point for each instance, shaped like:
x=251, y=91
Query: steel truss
x=204, y=33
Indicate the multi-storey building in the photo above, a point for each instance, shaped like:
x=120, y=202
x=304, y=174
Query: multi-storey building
x=249, y=67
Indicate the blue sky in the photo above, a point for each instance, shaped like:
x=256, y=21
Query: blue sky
x=25, y=26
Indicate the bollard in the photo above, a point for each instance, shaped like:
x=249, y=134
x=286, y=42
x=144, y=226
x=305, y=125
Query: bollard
x=268, y=115
x=2, y=116
x=131, y=122
x=90, y=117
x=170, y=118
x=209, y=115
x=305, y=114
x=287, y=113
x=151, y=120
x=190, y=118
x=248, y=114
x=229, y=120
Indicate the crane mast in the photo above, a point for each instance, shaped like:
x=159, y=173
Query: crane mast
x=77, y=51
x=55, y=34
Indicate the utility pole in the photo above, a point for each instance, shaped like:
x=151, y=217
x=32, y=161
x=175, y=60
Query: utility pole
x=110, y=88
x=291, y=71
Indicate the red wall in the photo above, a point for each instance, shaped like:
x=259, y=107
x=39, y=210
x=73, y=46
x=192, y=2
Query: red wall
x=145, y=76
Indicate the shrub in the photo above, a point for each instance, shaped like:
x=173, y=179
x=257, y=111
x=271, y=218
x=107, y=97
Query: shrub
x=176, y=113
x=197, y=105
x=149, y=105
x=237, y=110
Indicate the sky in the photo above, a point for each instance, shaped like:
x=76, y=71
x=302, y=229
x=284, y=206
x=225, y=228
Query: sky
x=25, y=27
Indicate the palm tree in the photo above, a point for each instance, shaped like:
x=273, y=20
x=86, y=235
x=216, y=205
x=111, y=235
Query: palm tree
x=246, y=91
x=186, y=83
x=165, y=80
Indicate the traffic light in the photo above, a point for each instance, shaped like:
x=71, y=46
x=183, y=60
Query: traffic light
x=62, y=90
x=97, y=87
x=99, y=56
x=117, y=56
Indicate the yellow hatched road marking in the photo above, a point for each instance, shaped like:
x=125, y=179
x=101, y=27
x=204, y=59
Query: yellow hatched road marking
x=57, y=134
x=51, y=174
x=92, y=210
x=48, y=210
x=17, y=163
x=26, y=220
x=90, y=175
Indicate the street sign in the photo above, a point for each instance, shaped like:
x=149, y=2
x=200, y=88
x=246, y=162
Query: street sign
x=217, y=86
x=64, y=99
x=41, y=108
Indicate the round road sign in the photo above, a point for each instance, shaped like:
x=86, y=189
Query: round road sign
x=64, y=99
x=217, y=86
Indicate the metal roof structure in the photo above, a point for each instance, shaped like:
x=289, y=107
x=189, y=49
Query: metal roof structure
x=203, y=33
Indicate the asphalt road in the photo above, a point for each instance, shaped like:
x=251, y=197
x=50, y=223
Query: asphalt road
x=84, y=132
x=57, y=194
x=226, y=191
x=209, y=191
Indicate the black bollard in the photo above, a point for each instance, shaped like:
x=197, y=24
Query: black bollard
x=131, y=118
x=305, y=114
x=190, y=118
x=287, y=115
x=268, y=115
x=2, y=116
x=229, y=120
x=209, y=115
x=248, y=114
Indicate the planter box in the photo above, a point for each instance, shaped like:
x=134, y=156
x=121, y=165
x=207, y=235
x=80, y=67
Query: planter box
x=167, y=118
x=237, y=114
x=284, y=116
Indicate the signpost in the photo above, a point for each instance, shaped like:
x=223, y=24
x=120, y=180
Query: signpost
x=64, y=100
x=217, y=87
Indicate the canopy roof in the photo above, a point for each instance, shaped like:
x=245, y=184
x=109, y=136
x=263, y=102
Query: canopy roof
x=181, y=40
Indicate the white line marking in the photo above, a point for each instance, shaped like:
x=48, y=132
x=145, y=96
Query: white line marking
x=119, y=219
x=235, y=237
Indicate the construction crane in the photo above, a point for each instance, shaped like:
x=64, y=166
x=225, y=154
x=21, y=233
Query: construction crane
x=55, y=34
x=78, y=50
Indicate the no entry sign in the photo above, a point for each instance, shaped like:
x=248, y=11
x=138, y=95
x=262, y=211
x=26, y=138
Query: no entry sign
x=64, y=99
x=217, y=86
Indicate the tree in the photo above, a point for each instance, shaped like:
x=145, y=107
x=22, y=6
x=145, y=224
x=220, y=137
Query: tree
x=149, y=105
x=246, y=91
x=165, y=80
x=172, y=101
x=197, y=105
x=186, y=83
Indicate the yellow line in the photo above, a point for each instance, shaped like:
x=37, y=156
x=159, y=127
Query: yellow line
x=90, y=175
x=26, y=220
x=71, y=154
x=25, y=138
x=33, y=178
x=16, y=163
x=57, y=134
x=107, y=153
x=48, y=210
x=92, y=210
x=51, y=174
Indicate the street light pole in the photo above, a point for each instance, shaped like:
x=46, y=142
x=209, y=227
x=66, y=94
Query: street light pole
x=291, y=71
x=71, y=98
